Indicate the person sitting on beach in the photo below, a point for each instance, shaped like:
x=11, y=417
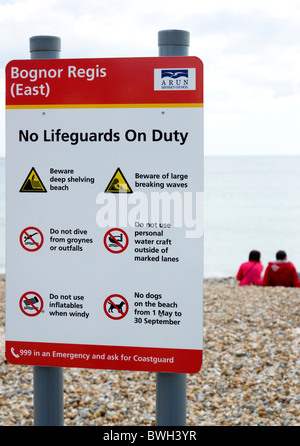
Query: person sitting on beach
x=281, y=272
x=249, y=272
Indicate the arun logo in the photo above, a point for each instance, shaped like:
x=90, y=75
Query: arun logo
x=175, y=74
x=175, y=79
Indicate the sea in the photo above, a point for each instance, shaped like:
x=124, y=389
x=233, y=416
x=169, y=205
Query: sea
x=250, y=202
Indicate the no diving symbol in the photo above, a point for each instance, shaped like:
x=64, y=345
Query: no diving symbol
x=31, y=239
x=116, y=306
x=31, y=303
x=116, y=240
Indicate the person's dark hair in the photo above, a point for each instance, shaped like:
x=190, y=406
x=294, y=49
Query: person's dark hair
x=254, y=256
x=280, y=255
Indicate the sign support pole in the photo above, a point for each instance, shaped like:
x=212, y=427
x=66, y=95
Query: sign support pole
x=48, y=381
x=171, y=387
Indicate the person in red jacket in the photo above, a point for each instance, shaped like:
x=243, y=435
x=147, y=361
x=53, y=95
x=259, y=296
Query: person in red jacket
x=281, y=272
x=249, y=273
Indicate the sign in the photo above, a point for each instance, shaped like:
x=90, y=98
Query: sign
x=116, y=240
x=31, y=303
x=116, y=306
x=33, y=183
x=31, y=239
x=118, y=184
x=105, y=213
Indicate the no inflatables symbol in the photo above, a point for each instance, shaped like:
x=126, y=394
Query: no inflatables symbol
x=31, y=303
x=116, y=306
x=116, y=240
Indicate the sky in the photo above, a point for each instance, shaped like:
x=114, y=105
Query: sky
x=250, y=50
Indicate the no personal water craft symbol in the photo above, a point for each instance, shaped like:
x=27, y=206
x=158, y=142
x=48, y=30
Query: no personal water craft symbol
x=116, y=240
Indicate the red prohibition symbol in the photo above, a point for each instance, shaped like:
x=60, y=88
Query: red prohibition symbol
x=116, y=306
x=116, y=240
x=31, y=303
x=31, y=239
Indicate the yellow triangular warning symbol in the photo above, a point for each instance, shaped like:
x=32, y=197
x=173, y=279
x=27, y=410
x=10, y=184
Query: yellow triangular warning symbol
x=118, y=184
x=33, y=183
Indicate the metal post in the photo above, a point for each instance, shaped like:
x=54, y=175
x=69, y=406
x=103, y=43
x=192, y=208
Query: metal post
x=171, y=387
x=173, y=42
x=48, y=381
x=48, y=396
x=44, y=47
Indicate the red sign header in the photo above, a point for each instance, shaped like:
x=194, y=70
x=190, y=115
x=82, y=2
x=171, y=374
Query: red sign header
x=53, y=82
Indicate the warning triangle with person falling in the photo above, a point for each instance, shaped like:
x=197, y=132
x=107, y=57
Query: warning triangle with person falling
x=118, y=184
x=33, y=183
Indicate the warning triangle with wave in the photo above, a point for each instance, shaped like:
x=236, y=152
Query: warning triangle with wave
x=33, y=183
x=118, y=184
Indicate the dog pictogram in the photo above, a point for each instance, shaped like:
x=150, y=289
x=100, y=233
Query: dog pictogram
x=116, y=306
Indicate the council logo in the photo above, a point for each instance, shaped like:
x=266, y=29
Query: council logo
x=174, y=79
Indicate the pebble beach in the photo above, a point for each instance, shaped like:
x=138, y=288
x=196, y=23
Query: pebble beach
x=249, y=377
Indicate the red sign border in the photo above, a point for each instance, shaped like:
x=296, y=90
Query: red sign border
x=137, y=71
x=184, y=361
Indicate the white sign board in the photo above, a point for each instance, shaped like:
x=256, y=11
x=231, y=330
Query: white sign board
x=104, y=213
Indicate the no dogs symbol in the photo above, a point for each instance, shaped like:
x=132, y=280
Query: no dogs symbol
x=116, y=306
